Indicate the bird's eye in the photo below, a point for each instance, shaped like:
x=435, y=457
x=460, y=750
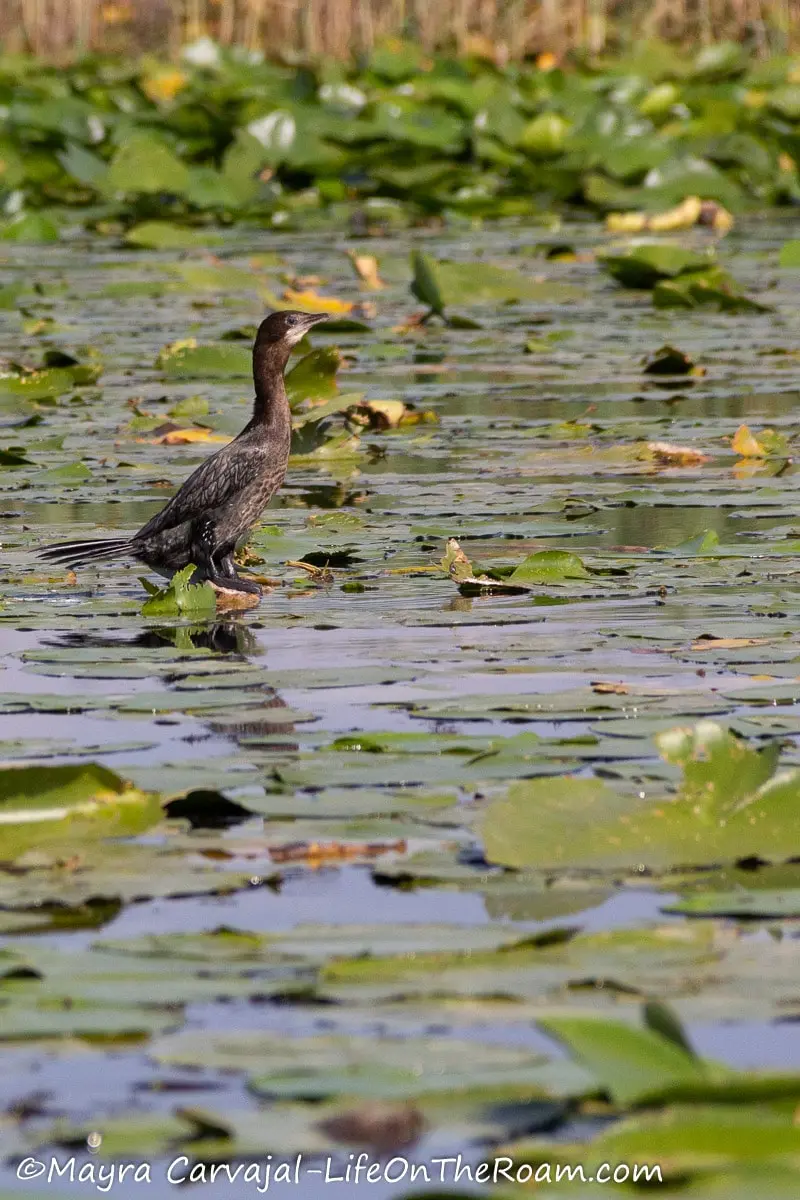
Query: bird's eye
x=291, y=319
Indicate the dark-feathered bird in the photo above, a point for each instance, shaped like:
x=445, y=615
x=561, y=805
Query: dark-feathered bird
x=222, y=500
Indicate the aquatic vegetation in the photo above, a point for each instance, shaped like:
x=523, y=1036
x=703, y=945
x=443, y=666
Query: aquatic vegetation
x=511, y=742
x=159, y=154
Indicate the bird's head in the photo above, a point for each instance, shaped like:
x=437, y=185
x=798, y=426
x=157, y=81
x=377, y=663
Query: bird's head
x=288, y=327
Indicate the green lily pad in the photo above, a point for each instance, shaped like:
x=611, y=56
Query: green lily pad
x=376, y=1069
x=732, y=804
x=632, y=1064
x=143, y=164
x=180, y=598
x=314, y=376
x=643, y=265
x=224, y=361
x=30, y=227
x=161, y=235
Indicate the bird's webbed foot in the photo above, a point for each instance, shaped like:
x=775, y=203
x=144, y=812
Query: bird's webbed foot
x=217, y=569
x=233, y=581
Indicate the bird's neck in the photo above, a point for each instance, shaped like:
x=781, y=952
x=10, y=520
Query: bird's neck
x=271, y=407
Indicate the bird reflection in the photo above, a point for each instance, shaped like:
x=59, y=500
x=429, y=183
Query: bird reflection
x=252, y=729
x=219, y=637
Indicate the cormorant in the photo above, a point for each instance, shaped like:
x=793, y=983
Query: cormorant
x=222, y=500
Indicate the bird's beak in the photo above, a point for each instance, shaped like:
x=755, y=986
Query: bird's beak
x=315, y=318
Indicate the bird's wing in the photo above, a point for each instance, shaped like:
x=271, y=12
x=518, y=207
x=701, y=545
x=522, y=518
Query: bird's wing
x=221, y=476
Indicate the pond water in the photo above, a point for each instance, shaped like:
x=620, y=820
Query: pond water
x=378, y=844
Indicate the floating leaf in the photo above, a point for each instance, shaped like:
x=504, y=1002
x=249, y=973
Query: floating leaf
x=743, y=904
x=366, y=268
x=425, y=285
x=30, y=227
x=545, y=136
x=545, y=567
x=378, y=1068
x=184, y=437
x=548, y=566
x=790, y=254
x=84, y=166
x=314, y=376
x=731, y=805
x=142, y=164
x=186, y=360
x=642, y=266
x=310, y=301
x=162, y=235
x=668, y=455
x=633, y=1065
x=62, y=805
x=713, y=288
x=745, y=444
x=182, y=598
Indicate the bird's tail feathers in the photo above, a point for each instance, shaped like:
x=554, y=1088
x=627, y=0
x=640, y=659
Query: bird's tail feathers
x=77, y=554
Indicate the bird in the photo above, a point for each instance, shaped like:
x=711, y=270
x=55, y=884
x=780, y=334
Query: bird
x=221, y=501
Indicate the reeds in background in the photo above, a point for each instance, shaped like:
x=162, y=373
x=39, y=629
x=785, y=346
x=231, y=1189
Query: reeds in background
x=61, y=29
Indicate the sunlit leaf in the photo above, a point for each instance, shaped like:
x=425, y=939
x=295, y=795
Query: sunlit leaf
x=182, y=598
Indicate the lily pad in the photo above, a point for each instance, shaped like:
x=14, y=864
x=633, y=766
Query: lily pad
x=643, y=265
x=732, y=804
x=180, y=597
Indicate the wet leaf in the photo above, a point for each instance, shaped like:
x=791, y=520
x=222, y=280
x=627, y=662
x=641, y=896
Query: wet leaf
x=548, y=566
x=543, y=568
x=41, y=805
x=181, y=598
x=689, y=1141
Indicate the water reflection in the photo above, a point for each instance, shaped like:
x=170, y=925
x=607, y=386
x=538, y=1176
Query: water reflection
x=254, y=729
x=221, y=637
